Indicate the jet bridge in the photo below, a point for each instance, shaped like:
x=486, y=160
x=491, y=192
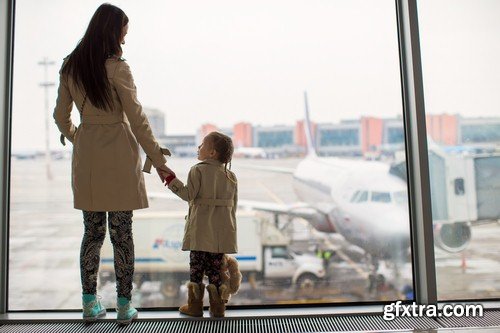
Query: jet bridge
x=465, y=187
x=465, y=190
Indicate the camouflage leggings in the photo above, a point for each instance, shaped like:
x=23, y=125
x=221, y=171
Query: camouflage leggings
x=201, y=263
x=120, y=230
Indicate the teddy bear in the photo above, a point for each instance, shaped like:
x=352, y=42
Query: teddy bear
x=230, y=277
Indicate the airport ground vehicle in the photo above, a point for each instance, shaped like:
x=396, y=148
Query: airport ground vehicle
x=263, y=253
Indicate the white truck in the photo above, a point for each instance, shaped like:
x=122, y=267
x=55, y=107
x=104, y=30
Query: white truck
x=263, y=253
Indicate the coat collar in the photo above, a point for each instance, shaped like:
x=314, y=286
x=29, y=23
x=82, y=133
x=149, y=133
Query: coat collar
x=212, y=162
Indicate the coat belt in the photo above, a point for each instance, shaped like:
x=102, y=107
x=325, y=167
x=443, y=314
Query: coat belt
x=148, y=163
x=213, y=202
x=102, y=119
x=98, y=120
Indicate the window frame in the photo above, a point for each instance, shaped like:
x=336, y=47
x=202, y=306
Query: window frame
x=424, y=273
x=7, y=9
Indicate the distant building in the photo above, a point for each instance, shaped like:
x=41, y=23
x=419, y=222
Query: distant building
x=227, y=131
x=243, y=135
x=204, y=130
x=273, y=136
x=393, y=136
x=276, y=140
x=371, y=134
x=180, y=145
x=473, y=131
x=300, y=133
x=156, y=120
x=370, y=137
x=339, y=139
x=443, y=128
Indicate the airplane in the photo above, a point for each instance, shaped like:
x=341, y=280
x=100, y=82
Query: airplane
x=364, y=201
x=360, y=200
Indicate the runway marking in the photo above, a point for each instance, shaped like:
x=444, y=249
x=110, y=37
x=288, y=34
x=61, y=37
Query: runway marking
x=271, y=193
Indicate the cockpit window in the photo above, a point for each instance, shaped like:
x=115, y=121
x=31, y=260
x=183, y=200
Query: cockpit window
x=381, y=197
x=360, y=196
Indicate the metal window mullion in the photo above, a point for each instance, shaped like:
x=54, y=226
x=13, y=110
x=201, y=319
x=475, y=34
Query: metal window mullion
x=6, y=56
x=424, y=270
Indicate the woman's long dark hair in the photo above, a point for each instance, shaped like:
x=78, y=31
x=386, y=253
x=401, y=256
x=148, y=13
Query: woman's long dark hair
x=86, y=64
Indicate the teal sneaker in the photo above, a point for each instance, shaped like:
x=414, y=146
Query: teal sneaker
x=125, y=312
x=92, y=308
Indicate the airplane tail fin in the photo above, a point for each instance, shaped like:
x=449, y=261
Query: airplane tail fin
x=311, y=150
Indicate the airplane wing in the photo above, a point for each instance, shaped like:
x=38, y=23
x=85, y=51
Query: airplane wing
x=299, y=210
x=319, y=219
x=272, y=207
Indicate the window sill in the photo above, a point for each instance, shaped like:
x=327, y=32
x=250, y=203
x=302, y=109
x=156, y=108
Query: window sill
x=230, y=313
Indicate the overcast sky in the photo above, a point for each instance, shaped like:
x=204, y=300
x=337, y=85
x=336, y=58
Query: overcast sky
x=225, y=61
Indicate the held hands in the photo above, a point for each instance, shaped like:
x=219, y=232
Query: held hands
x=165, y=172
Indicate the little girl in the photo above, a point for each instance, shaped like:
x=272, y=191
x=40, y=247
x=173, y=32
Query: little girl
x=210, y=231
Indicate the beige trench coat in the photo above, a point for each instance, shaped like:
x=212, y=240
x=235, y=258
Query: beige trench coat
x=212, y=197
x=106, y=165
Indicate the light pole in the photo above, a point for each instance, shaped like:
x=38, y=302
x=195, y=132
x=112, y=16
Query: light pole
x=46, y=85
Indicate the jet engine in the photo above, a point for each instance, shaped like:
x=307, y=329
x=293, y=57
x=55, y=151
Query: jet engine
x=452, y=237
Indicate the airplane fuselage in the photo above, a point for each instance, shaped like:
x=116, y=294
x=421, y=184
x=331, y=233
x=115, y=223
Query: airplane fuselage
x=358, y=198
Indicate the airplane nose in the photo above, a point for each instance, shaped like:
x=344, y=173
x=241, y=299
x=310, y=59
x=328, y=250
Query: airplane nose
x=392, y=230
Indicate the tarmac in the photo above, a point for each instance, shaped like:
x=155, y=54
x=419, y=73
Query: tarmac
x=46, y=231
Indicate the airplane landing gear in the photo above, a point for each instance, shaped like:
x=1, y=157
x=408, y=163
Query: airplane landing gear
x=376, y=281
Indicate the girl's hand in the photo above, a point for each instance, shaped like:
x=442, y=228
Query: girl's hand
x=164, y=172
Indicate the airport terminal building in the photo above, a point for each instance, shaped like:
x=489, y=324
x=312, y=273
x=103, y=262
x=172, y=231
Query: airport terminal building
x=365, y=137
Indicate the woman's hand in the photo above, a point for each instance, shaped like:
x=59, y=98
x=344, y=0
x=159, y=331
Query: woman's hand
x=164, y=171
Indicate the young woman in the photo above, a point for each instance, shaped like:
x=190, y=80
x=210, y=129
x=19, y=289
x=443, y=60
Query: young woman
x=106, y=166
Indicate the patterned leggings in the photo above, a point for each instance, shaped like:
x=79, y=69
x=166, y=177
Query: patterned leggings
x=201, y=263
x=120, y=230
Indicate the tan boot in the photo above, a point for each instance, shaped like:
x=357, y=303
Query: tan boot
x=195, y=300
x=217, y=304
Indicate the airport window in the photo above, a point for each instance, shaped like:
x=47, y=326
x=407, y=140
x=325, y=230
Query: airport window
x=274, y=138
x=396, y=135
x=215, y=69
x=461, y=78
x=481, y=133
x=340, y=137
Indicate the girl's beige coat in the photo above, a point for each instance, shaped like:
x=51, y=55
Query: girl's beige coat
x=106, y=165
x=211, y=222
